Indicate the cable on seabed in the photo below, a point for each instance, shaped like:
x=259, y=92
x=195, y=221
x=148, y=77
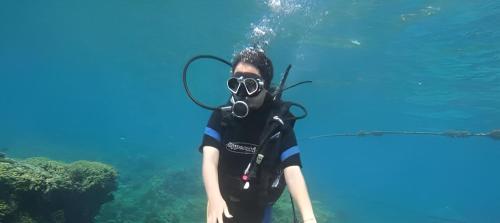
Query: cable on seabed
x=494, y=134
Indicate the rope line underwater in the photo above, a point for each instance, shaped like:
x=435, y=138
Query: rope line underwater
x=494, y=134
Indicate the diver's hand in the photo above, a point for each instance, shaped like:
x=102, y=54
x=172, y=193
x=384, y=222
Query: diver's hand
x=215, y=209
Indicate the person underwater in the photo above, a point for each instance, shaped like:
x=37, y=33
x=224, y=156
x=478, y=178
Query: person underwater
x=250, y=152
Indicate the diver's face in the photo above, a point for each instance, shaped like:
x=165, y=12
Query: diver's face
x=246, y=68
x=248, y=92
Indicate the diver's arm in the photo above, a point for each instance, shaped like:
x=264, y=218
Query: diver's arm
x=210, y=176
x=298, y=189
x=216, y=205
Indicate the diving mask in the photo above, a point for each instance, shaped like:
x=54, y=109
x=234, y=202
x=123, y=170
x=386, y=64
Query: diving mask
x=252, y=84
x=248, y=93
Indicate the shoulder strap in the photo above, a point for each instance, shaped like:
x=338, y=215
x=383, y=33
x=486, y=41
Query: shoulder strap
x=280, y=119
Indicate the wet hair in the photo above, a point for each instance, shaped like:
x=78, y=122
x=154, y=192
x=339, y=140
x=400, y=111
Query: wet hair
x=257, y=59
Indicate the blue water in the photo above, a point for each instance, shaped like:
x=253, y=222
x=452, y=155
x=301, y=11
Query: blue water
x=102, y=81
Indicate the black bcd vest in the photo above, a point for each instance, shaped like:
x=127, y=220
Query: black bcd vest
x=267, y=182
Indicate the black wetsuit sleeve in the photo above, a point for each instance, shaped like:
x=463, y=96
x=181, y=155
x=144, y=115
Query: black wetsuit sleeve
x=212, y=132
x=290, y=153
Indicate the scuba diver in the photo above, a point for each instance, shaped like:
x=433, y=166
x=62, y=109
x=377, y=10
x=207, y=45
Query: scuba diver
x=249, y=148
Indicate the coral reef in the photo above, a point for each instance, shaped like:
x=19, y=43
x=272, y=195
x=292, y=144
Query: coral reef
x=169, y=196
x=40, y=190
x=175, y=196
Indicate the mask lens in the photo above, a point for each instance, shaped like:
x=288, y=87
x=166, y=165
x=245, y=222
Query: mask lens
x=251, y=85
x=233, y=84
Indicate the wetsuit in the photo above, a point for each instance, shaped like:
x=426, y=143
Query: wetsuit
x=237, y=142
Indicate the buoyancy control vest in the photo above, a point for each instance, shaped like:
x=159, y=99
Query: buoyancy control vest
x=262, y=181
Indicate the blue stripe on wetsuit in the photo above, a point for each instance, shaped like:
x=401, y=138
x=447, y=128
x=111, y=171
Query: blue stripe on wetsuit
x=212, y=133
x=289, y=152
x=267, y=214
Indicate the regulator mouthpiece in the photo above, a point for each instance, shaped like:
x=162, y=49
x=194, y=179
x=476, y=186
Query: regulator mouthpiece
x=240, y=109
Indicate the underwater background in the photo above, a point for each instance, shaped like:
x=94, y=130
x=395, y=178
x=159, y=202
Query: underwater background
x=101, y=81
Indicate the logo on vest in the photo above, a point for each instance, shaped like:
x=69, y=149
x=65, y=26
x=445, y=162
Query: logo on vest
x=241, y=147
